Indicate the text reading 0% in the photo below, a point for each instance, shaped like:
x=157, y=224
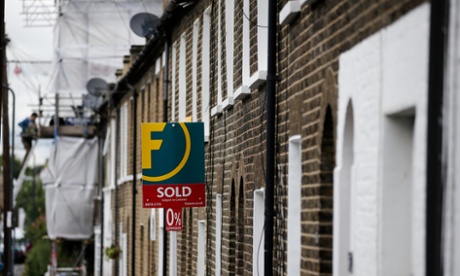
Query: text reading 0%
x=173, y=217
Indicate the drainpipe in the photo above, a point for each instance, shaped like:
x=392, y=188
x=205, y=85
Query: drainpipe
x=435, y=169
x=165, y=119
x=270, y=152
x=134, y=159
x=12, y=180
x=117, y=161
x=8, y=187
x=12, y=139
x=101, y=203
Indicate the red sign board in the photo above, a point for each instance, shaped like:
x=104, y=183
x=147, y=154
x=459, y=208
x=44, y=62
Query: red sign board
x=172, y=196
x=174, y=219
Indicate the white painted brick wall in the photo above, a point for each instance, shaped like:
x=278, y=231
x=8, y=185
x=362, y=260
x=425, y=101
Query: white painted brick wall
x=405, y=75
x=359, y=80
x=385, y=73
x=452, y=155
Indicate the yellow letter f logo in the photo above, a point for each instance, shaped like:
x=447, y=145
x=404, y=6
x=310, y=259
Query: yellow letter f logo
x=149, y=144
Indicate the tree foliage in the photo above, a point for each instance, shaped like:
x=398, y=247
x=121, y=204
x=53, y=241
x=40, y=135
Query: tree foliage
x=17, y=165
x=38, y=258
x=31, y=198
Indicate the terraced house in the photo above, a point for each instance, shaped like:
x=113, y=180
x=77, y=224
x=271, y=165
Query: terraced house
x=316, y=125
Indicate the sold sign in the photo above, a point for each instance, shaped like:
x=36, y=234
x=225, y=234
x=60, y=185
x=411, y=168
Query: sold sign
x=173, y=165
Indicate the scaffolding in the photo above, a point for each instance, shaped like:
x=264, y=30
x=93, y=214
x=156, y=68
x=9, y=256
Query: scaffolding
x=91, y=38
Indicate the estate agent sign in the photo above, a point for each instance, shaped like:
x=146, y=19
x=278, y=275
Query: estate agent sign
x=173, y=165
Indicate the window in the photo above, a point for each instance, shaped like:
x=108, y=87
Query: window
x=201, y=265
x=123, y=259
x=217, y=109
x=182, y=78
x=258, y=233
x=243, y=91
x=343, y=209
x=229, y=40
x=172, y=253
x=205, y=64
x=157, y=67
x=240, y=231
x=196, y=26
x=218, y=234
x=111, y=154
x=398, y=145
x=173, y=82
x=161, y=239
x=232, y=232
x=153, y=225
x=155, y=114
x=97, y=250
x=107, y=233
x=124, y=141
x=260, y=76
x=294, y=206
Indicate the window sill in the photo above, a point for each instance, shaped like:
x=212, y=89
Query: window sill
x=257, y=79
x=227, y=103
x=242, y=92
x=216, y=110
x=289, y=12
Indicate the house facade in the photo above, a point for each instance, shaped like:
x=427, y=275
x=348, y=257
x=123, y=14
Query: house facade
x=350, y=139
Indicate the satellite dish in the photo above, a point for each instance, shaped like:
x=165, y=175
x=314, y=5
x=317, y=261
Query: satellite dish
x=97, y=86
x=91, y=101
x=143, y=24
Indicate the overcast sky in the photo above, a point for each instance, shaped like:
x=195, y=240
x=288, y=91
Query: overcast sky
x=27, y=44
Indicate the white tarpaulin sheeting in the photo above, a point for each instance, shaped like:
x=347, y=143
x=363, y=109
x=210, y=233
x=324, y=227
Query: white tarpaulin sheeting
x=69, y=180
x=90, y=40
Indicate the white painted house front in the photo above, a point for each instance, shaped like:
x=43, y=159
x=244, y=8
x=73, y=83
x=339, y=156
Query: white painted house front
x=451, y=237
x=379, y=180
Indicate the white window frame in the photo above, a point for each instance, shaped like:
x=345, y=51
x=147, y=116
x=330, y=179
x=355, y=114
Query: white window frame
x=97, y=251
x=183, y=77
x=123, y=261
x=217, y=109
x=260, y=76
x=229, y=43
x=201, y=248
x=173, y=82
x=110, y=153
x=113, y=148
x=294, y=232
x=205, y=71
x=196, y=26
x=173, y=253
x=158, y=66
x=153, y=224
x=161, y=240
x=218, y=234
x=258, y=232
x=107, y=231
x=123, y=143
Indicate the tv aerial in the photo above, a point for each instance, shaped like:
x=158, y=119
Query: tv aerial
x=144, y=24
